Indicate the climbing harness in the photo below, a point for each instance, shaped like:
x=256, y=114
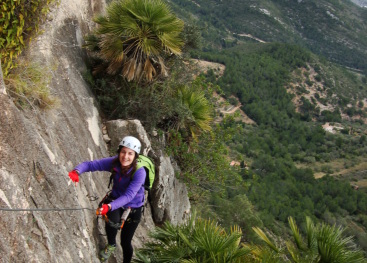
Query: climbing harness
x=119, y=225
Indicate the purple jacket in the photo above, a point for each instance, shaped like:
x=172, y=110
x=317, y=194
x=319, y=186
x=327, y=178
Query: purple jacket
x=127, y=192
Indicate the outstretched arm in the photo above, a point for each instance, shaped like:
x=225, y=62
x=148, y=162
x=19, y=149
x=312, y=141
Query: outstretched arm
x=104, y=164
x=131, y=191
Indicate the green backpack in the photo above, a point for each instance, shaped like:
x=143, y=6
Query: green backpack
x=147, y=163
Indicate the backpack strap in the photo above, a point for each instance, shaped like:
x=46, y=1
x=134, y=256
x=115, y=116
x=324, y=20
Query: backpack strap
x=113, y=172
x=146, y=184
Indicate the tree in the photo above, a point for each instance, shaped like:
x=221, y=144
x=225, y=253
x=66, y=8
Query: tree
x=134, y=36
x=236, y=211
x=323, y=244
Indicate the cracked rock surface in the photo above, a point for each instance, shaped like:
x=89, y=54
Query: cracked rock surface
x=39, y=147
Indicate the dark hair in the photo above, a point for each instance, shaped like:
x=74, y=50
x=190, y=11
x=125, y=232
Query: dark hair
x=134, y=164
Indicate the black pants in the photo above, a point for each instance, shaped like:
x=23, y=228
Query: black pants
x=127, y=232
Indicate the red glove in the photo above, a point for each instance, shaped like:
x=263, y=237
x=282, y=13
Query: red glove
x=74, y=176
x=105, y=208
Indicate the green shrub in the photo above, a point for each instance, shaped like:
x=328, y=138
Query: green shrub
x=28, y=85
x=233, y=101
x=198, y=240
x=20, y=21
x=318, y=78
x=309, y=159
x=327, y=169
x=320, y=243
x=309, y=82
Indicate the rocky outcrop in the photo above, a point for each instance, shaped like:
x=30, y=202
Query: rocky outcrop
x=38, y=148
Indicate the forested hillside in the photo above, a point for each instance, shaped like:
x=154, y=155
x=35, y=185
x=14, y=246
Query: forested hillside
x=334, y=29
x=362, y=3
x=290, y=89
x=288, y=146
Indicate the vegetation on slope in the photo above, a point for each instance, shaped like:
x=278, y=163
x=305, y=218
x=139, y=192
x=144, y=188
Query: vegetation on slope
x=334, y=29
x=258, y=75
x=24, y=78
x=284, y=136
x=20, y=21
x=134, y=37
x=204, y=241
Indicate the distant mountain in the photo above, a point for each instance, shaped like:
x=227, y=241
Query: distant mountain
x=334, y=29
x=362, y=3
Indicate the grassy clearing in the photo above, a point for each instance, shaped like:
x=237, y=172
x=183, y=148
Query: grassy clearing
x=353, y=170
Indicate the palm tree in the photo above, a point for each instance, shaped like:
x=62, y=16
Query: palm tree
x=195, y=111
x=323, y=244
x=135, y=36
x=197, y=241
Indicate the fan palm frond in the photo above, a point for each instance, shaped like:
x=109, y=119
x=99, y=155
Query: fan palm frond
x=325, y=244
x=296, y=234
x=197, y=241
x=310, y=233
x=333, y=247
x=265, y=238
x=198, y=114
x=138, y=30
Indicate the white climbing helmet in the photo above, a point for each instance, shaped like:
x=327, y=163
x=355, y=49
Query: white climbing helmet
x=131, y=143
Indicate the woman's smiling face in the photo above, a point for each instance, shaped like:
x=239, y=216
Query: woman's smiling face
x=126, y=156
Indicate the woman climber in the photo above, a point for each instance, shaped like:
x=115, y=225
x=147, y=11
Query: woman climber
x=127, y=193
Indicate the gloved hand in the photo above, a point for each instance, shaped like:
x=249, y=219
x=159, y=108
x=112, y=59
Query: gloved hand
x=74, y=176
x=105, y=208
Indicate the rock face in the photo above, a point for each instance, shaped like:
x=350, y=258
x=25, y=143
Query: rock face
x=38, y=149
x=2, y=84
